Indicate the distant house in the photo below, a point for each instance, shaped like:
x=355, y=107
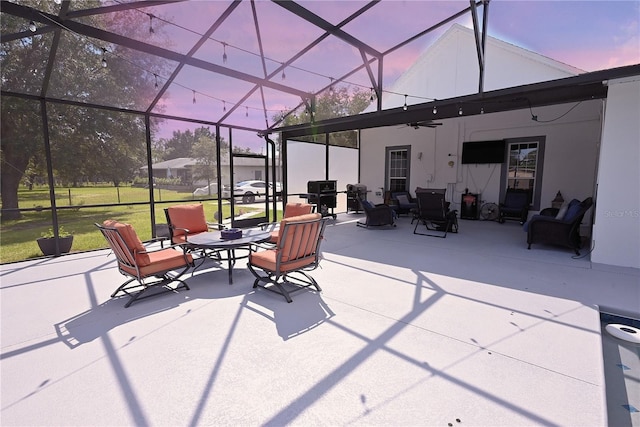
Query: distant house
x=175, y=168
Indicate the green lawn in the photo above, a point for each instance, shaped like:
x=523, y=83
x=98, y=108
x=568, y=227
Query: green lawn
x=18, y=238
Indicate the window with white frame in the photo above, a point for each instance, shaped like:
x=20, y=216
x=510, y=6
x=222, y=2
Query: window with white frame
x=524, y=167
x=397, y=168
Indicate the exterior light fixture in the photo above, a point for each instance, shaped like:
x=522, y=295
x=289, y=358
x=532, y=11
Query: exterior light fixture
x=558, y=201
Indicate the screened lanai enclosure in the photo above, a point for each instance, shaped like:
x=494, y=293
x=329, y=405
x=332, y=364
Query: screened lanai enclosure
x=119, y=108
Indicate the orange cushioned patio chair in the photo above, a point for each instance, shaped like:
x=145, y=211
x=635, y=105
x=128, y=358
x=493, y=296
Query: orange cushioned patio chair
x=282, y=269
x=147, y=269
x=290, y=210
x=187, y=220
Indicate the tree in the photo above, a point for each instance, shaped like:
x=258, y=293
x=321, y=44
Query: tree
x=78, y=135
x=181, y=144
x=338, y=102
x=21, y=131
x=204, y=151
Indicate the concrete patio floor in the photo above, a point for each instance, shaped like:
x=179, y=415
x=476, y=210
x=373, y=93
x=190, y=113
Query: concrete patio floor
x=409, y=330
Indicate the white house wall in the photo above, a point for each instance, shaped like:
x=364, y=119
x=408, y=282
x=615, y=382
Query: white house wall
x=617, y=211
x=449, y=68
x=571, y=152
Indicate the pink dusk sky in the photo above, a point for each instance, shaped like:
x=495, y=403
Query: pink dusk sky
x=589, y=35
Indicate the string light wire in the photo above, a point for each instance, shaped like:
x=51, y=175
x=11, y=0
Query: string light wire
x=225, y=45
x=282, y=64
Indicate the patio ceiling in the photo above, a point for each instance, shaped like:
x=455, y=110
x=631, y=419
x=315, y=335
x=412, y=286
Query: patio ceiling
x=572, y=89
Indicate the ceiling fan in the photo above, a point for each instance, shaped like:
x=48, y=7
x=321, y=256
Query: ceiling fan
x=424, y=123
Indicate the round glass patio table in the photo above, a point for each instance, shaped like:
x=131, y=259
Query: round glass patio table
x=213, y=240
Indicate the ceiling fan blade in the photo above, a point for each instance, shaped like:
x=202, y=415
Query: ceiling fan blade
x=429, y=124
x=418, y=125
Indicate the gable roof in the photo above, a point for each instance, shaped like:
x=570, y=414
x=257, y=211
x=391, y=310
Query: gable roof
x=449, y=68
x=179, y=163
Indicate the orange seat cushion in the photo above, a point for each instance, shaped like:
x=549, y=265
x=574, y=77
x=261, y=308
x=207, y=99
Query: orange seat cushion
x=290, y=236
x=274, y=236
x=160, y=262
x=180, y=238
x=297, y=209
x=190, y=217
x=291, y=210
x=131, y=239
x=267, y=259
x=305, y=217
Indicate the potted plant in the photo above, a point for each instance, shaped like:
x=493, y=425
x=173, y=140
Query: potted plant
x=47, y=242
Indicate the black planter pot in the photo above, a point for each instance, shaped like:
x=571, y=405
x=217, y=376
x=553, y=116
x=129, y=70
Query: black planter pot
x=48, y=244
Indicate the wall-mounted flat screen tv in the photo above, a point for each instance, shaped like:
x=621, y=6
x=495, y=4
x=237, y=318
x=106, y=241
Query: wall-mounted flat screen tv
x=475, y=152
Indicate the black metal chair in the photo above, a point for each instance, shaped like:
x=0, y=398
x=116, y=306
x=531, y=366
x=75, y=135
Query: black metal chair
x=434, y=214
x=403, y=201
x=515, y=205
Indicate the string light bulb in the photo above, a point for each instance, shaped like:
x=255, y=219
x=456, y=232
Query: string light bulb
x=435, y=110
x=156, y=76
x=371, y=98
x=246, y=112
x=404, y=107
x=32, y=27
x=460, y=111
x=224, y=106
x=224, y=52
x=104, y=57
x=57, y=1
x=151, y=31
x=481, y=110
x=331, y=85
x=194, y=96
x=284, y=76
